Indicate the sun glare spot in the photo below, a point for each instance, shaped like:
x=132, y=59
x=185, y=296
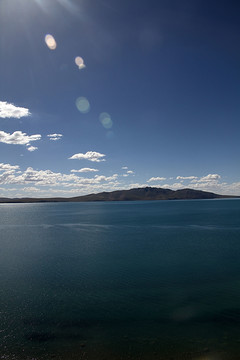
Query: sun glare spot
x=50, y=42
x=83, y=105
x=79, y=62
x=106, y=120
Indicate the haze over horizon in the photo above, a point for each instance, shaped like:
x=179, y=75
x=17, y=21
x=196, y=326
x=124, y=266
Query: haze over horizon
x=104, y=95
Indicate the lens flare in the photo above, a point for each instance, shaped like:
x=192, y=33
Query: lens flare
x=50, y=42
x=79, y=62
x=83, y=105
x=106, y=120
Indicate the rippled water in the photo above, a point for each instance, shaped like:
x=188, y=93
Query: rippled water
x=122, y=280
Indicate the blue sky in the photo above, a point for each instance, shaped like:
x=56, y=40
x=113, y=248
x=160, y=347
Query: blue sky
x=107, y=94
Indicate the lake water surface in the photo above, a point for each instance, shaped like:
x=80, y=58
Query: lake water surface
x=120, y=280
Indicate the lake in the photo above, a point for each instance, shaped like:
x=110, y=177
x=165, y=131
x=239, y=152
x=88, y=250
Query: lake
x=120, y=280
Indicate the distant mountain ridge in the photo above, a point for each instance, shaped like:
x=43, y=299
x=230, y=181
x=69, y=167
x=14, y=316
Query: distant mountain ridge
x=146, y=193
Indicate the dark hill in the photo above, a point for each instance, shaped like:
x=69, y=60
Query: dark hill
x=147, y=193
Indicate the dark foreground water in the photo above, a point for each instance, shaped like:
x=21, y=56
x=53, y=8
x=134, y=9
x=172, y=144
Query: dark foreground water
x=124, y=280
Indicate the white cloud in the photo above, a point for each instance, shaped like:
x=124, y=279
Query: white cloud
x=55, y=137
x=18, y=138
x=137, y=185
x=49, y=183
x=32, y=148
x=210, y=183
x=8, y=110
x=175, y=186
x=68, y=191
x=6, y=176
x=233, y=188
x=32, y=189
x=43, y=177
x=90, y=155
x=129, y=172
x=5, y=167
x=124, y=167
x=96, y=180
x=48, y=177
x=156, y=179
x=99, y=178
x=218, y=188
x=209, y=177
x=84, y=170
x=186, y=177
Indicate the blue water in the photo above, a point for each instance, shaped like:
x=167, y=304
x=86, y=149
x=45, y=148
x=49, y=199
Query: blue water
x=120, y=280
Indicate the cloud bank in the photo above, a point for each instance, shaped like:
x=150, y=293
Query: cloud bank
x=48, y=183
x=44, y=178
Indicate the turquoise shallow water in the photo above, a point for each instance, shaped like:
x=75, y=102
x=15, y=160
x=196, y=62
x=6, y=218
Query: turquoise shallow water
x=122, y=280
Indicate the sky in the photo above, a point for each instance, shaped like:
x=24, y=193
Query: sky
x=101, y=95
